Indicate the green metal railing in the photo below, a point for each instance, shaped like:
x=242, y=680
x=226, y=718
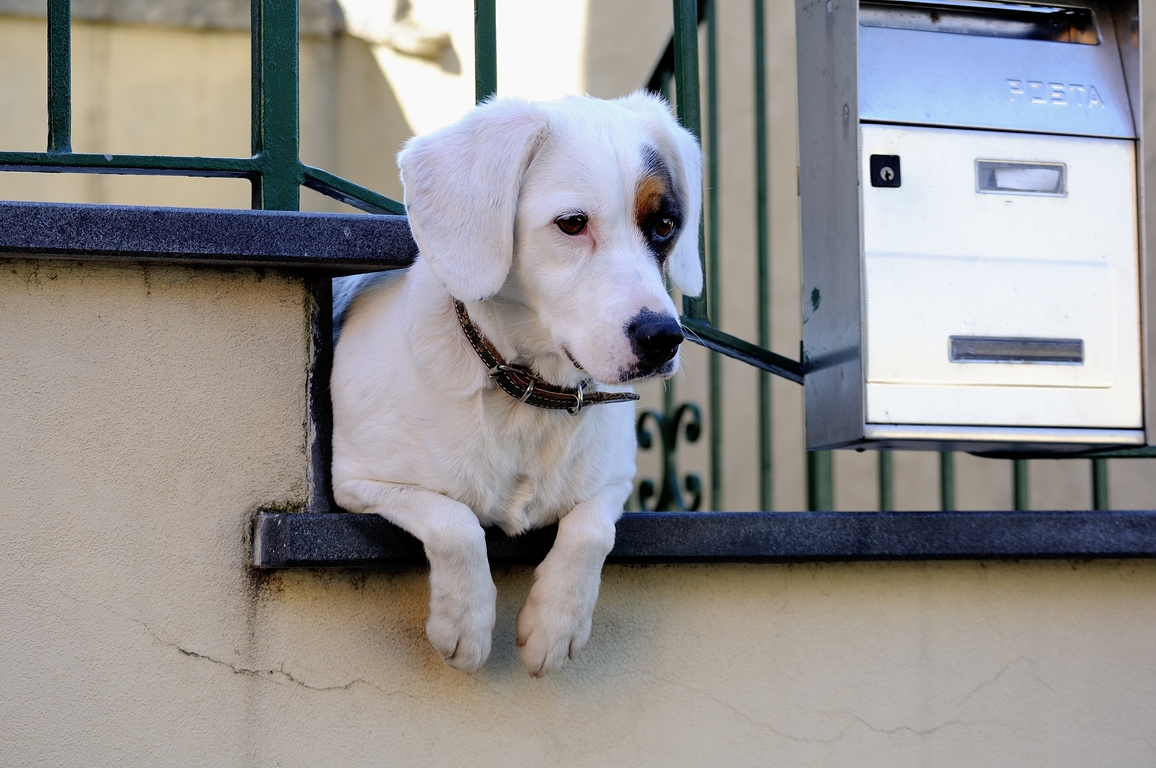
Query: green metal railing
x=763, y=257
x=274, y=169
x=486, y=50
x=276, y=174
x=713, y=273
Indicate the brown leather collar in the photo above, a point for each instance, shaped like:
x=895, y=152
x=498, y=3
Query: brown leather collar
x=523, y=384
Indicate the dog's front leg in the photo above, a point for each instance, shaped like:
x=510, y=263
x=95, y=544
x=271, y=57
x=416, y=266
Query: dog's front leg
x=554, y=623
x=462, y=593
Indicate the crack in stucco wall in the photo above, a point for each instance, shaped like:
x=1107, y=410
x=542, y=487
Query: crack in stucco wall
x=276, y=676
x=855, y=719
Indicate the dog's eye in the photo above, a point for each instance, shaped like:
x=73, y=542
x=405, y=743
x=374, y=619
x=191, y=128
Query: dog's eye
x=664, y=228
x=572, y=225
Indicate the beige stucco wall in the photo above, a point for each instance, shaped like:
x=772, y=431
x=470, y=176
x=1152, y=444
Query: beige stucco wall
x=148, y=412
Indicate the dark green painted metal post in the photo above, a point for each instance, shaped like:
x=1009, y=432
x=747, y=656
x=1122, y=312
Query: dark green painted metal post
x=947, y=481
x=886, y=482
x=485, y=50
x=686, y=88
x=686, y=65
x=1100, y=484
x=59, y=75
x=276, y=135
x=1020, y=498
x=820, y=481
x=668, y=402
x=762, y=258
x=713, y=285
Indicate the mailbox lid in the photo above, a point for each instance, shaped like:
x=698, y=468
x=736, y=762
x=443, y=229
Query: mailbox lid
x=948, y=78
x=944, y=258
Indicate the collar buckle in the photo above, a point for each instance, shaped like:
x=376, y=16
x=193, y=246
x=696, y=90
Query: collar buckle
x=579, y=398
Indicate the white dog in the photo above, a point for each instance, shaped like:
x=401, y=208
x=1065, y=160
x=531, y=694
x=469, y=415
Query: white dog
x=489, y=383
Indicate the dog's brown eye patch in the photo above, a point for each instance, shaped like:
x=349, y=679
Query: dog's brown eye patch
x=574, y=224
x=648, y=200
x=656, y=209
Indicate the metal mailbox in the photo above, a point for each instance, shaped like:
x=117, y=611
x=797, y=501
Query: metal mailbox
x=972, y=237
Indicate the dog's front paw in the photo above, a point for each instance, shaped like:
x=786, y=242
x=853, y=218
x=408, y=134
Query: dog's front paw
x=461, y=624
x=552, y=627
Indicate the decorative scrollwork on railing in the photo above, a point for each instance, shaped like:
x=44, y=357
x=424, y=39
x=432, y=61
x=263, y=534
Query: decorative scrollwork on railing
x=669, y=496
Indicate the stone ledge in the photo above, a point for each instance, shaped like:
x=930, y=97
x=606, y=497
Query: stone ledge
x=288, y=540
x=330, y=243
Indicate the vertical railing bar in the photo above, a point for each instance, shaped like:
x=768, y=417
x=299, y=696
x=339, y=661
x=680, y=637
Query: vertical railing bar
x=686, y=91
x=59, y=75
x=256, y=94
x=686, y=65
x=1100, y=499
x=276, y=101
x=886, y=482
x=762, y=258
x=713, y=282
x=1020, y=500
x=947, y=481
x=485, y=50
x=668, y=415
x=665, y=498
x=820, y=481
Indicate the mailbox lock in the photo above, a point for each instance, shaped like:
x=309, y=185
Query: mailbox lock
x=885, y=171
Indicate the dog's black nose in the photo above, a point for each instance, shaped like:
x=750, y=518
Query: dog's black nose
x=654, y=337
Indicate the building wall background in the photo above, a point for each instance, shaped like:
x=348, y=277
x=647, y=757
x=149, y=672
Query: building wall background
x=148, y=412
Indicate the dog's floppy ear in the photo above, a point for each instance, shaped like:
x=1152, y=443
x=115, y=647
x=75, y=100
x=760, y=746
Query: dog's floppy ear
x=681, y=150
x=461, y=193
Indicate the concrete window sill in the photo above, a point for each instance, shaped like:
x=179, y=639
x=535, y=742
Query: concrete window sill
x=287, y=540
x=328, y=243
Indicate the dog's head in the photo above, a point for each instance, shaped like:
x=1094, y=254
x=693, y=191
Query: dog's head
x=572, y=210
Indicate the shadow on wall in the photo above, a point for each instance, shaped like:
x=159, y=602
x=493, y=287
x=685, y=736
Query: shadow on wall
x=352, y=123
x=171, y=77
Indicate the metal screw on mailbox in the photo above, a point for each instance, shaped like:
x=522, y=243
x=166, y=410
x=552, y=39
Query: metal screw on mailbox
x=886, y=173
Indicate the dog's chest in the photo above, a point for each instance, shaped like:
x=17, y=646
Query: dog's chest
x=535, y=466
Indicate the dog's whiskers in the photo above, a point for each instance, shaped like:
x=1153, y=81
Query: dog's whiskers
x=691, y=334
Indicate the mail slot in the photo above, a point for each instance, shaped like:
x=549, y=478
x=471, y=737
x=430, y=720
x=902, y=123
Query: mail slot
x=972, y=253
